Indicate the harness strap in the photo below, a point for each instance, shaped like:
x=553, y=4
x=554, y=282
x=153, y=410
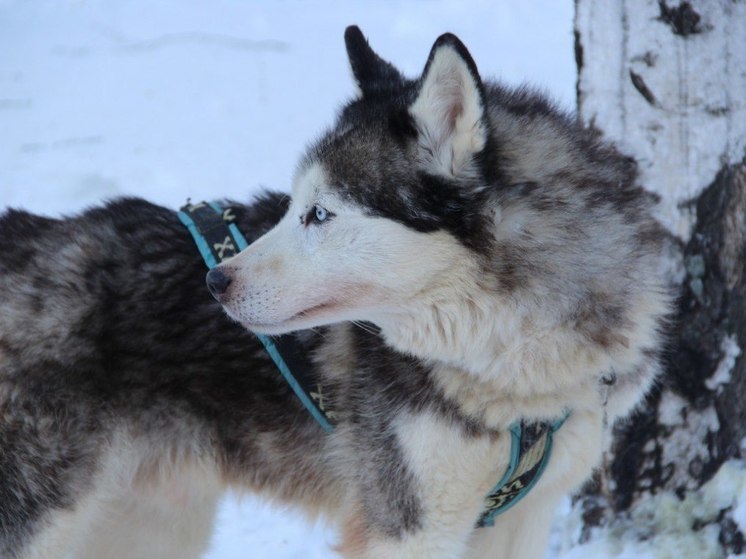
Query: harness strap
x=217, y=237
x=530, y=450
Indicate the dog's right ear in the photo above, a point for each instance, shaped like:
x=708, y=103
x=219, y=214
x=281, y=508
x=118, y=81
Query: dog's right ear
x=372, y=74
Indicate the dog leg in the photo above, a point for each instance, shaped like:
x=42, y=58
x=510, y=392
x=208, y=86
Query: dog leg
x=363, y=542
x=137, y=528
x=164, y=515
x=520, y=533
x=126, y=528
x=137, y=507
x=62, y=534
x=427, y=505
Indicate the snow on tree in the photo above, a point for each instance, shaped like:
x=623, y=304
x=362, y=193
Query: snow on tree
x=666, y=82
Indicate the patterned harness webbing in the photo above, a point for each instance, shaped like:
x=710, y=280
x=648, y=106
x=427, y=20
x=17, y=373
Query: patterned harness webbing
x=530, y=449
x=214, y=231
x=218, y=239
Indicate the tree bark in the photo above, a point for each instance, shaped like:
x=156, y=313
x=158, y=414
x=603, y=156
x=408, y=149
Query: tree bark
x=666, y=81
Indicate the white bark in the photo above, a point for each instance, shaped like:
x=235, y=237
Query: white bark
x=676, y=103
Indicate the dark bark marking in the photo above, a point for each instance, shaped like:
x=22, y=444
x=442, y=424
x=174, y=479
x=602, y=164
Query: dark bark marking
x=642, y=87
x=579, y=64
x=649, y=59
x=683, y=19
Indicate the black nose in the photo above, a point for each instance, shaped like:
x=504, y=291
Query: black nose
x=217, y=282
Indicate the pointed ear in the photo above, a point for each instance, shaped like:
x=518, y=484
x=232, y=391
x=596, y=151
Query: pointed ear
x=372, y=73
x=449, y=110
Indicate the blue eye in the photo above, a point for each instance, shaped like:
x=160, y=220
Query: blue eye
x=320, y=213
x=316, y=215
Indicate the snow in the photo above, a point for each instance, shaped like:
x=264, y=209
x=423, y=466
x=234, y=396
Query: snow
x=683, y=447
x=664, y=526
x=731, y=352
x=248, y=528
x=182, y=98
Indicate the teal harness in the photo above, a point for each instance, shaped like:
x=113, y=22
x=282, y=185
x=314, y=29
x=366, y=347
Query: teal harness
x=217, y=237
x=530, y=449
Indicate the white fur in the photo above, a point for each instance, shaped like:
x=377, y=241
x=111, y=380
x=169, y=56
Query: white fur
x=454, y=473
x=297, y=267
x=448, y=112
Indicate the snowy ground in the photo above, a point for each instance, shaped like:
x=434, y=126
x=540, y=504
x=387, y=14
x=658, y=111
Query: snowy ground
x=183, y=98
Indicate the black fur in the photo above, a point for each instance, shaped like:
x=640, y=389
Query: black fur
x=373, y=75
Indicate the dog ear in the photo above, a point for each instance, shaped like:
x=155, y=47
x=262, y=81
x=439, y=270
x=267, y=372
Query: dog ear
x=372, y=74
x=449, y=110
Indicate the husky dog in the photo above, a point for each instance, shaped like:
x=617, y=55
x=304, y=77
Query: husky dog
x=457, y=257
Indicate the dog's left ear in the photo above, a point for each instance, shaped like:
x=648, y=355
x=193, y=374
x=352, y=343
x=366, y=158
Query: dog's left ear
x=449, y=111
x=372, y=73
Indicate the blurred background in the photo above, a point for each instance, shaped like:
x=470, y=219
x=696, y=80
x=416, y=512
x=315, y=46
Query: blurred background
x=176, y=99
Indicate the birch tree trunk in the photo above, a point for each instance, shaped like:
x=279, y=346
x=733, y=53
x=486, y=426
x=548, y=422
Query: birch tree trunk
x=666, y=81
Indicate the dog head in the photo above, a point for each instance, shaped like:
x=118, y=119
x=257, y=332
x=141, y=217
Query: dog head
x=386, y=206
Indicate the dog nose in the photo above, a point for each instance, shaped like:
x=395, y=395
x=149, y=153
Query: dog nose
x=217, y=282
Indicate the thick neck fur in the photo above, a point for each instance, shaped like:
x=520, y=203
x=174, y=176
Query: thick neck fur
x=498, y=361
